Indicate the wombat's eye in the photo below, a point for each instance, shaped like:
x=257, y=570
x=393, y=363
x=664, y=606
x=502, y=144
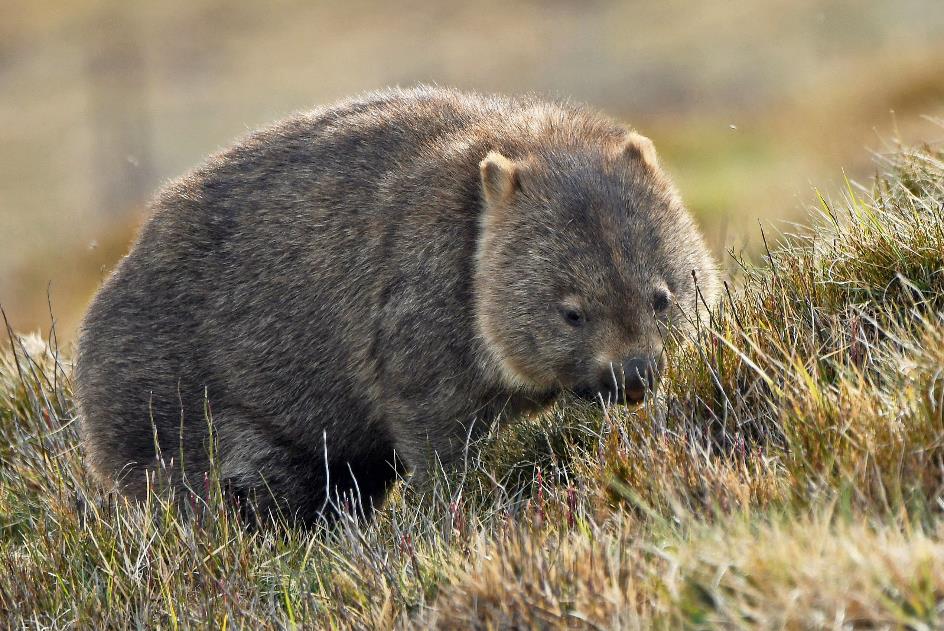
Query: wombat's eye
x=661, y=301
x=572, y=316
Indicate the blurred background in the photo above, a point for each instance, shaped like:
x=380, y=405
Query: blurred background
x=750, y=104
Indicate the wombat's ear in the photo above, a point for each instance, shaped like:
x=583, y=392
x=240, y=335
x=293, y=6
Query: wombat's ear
x=638, y=147
x=499, y=177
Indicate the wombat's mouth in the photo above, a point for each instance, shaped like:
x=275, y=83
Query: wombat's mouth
x=624, y=396
x=625, y=382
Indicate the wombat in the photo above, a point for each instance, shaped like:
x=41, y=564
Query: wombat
x=375, y=283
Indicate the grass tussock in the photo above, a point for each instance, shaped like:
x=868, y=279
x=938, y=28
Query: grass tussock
x=789, y=474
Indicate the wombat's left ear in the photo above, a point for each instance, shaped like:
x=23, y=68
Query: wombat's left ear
x=499, y=177
x=638, y=147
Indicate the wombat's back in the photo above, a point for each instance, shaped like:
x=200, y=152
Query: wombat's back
x=253, y=290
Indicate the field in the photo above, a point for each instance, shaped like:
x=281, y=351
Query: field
x=789, y=474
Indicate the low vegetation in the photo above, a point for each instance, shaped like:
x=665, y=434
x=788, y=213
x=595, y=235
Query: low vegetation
x=789, y=474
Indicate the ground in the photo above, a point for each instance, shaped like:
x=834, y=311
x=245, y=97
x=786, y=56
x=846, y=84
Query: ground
x=788, y=475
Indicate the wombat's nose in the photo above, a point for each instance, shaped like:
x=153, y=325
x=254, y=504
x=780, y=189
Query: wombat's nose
x=629, y=380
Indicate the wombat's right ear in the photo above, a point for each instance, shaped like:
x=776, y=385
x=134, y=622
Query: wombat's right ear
x=499, y=177
x=637, y=147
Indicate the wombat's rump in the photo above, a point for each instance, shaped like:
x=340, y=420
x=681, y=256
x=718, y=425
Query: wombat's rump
x=385, y=276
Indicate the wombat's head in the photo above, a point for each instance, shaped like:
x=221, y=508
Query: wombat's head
x=586, y=260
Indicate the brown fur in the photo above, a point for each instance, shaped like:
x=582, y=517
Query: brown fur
x=386, y=275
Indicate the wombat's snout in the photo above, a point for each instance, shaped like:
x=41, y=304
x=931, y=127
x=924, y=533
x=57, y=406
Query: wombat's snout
x=627, y=381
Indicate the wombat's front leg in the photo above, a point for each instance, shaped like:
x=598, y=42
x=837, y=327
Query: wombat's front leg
x=428, y=447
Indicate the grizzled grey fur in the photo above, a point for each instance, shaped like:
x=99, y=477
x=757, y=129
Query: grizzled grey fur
x=384, y=276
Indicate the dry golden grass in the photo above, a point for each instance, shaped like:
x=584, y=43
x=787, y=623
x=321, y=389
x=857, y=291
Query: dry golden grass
x=789, y=475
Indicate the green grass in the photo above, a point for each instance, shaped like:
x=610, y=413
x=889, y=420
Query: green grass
x=790, y=474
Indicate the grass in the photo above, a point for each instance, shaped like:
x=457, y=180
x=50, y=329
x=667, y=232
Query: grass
x=790, y=474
